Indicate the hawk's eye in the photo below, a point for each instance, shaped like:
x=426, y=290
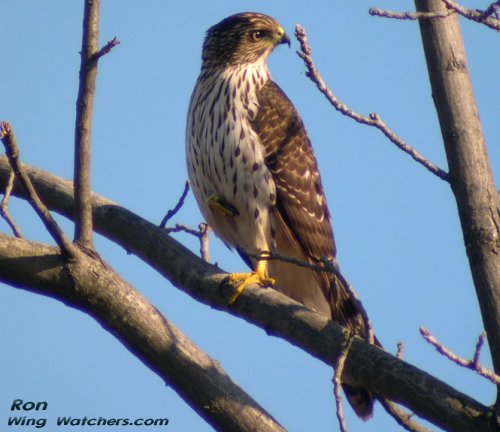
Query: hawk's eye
x=257, y=35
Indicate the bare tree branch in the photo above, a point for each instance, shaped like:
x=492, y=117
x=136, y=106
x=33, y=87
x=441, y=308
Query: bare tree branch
x=337, y=382
x=477, y=351
x=204, y=241
x=492, y=9
x=407, y=15
x=172, y=212
x=83, y=124
x=473, y=364
x=4, y=206
x=403, y=418
x=182, y=228
x=471, y=178
x=201, y=234
x=482, y=17
x=106, y=49
x=322, y=266
x=88, y=284
x=12, y=151
x=366, y=366
x=203, y=228
x=373, y=120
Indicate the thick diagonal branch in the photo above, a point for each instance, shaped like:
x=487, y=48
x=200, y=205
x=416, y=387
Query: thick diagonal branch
x=470, y=173
x=366, y=365
x=86, y=283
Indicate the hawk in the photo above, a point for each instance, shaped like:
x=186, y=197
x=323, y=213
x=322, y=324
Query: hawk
x=255, y=177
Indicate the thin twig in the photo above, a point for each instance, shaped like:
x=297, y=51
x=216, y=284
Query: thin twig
x=204, y=242
x=337, y=382
x=324, y=266
x=4, y=206
x=83, y=124
x=12, y=152
x=105, y=49
x=180, y=203
x=407, y=15
x=403, y=418
x=473, y=364
x=201, y=234
x=482, y=17
x=492, y=9
x=477, y=351
x=203, y=228
x=373, y=120
x=182, y=228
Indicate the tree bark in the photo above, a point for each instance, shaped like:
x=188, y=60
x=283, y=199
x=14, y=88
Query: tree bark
x=279, y=315
x=83, y=123
x=471, y=177
x=88, y=284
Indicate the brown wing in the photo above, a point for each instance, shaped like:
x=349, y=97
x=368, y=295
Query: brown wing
x=302, y=205
x=289, y=156
x=301, y=201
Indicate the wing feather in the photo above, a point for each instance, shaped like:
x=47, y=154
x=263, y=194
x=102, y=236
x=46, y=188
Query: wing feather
x=290, y=157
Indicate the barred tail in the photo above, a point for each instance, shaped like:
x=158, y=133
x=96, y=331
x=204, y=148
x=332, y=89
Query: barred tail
x=360, y=399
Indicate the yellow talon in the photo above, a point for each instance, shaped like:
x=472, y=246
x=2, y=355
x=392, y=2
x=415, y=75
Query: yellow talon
x=245, y=279
x=259, y=276
x=219, y=204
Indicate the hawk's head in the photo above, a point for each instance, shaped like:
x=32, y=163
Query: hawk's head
x=242, y=38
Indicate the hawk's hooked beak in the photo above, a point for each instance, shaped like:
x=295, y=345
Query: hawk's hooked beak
x=283, y=38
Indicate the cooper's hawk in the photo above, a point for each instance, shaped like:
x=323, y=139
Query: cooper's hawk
x=255, y=177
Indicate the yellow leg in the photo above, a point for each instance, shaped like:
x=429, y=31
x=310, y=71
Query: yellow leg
x=259, y=276
x=220, y=205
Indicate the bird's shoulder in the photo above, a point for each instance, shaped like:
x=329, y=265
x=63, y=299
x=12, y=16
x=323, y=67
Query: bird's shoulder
x=277, y=122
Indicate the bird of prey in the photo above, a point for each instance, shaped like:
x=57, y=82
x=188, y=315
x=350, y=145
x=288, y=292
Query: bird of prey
x=255, y=177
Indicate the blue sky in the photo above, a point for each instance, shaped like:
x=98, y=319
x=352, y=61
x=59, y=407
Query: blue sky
x=397, y=231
